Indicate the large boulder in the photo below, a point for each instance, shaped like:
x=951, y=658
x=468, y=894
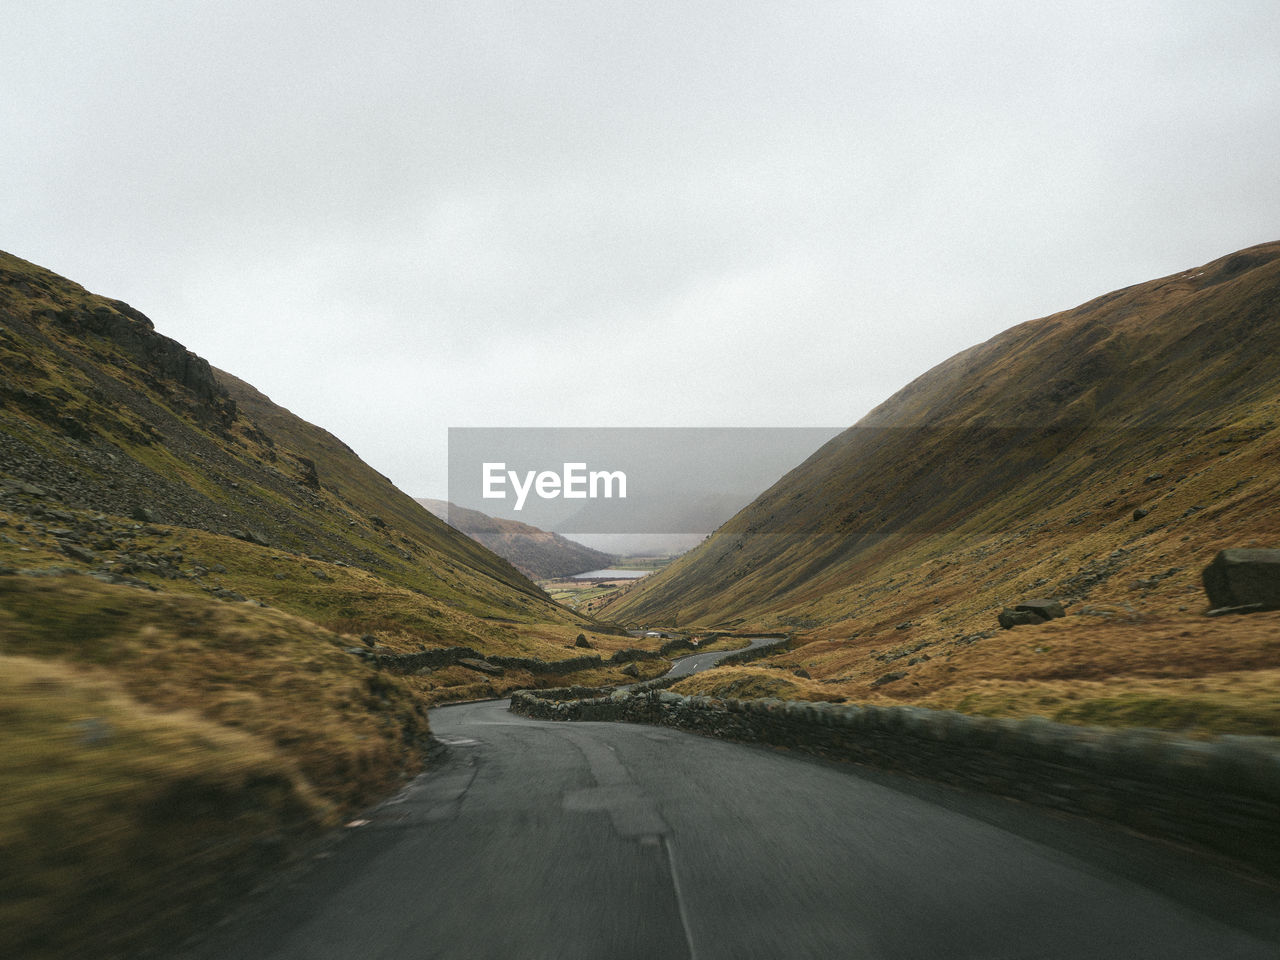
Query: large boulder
x=1049, y=609
x=1244, y=578
x=1010, y=618
x=1030, y=612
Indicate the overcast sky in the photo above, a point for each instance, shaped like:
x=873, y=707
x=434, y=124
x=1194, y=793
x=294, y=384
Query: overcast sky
x=397, y=217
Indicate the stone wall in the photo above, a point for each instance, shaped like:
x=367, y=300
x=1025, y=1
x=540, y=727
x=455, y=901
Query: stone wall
x=534, y=665
x=1223, y=794
x=632, y=654
x=447, y=656
x=411, y=662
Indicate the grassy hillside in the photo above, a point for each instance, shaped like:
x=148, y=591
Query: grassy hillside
x=101, y=413
x=194, y=588
x=1101, y=456
x=535, y=553
x=157, y=751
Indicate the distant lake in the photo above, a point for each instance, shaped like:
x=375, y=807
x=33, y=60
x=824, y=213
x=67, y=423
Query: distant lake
x=612, y=575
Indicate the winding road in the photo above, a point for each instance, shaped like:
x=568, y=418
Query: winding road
x=532, y=840
x=701, y=661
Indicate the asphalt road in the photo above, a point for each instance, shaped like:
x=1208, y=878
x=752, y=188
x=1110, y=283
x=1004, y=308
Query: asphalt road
x=596, y=840
x=702, y=661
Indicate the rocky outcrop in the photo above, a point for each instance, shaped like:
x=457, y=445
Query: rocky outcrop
x=1244, y=578
x=163, y=357
x=1030, y=612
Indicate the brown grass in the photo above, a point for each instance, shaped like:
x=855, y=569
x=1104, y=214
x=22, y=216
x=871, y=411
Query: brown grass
x=112, y=807
x=1013, y=471
x=1082, y=669
x=159, y=747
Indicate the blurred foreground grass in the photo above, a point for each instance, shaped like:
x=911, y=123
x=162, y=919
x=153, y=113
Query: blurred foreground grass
x=157, y=751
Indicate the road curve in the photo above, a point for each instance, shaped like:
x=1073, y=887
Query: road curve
x=701, y=661
x=597, y=840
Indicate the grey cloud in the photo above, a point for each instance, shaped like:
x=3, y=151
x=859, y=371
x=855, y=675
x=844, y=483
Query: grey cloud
x=399, y=217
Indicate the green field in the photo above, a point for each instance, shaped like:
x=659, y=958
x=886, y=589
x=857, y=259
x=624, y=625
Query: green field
x=587, y=595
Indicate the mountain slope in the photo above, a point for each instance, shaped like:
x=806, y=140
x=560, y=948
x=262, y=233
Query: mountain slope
x=1102, y=454
x=104, y=413
x=534, y=552
x=205, y=603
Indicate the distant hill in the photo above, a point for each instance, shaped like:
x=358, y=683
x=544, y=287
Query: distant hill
x=1101, y=456
x=535, y=553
